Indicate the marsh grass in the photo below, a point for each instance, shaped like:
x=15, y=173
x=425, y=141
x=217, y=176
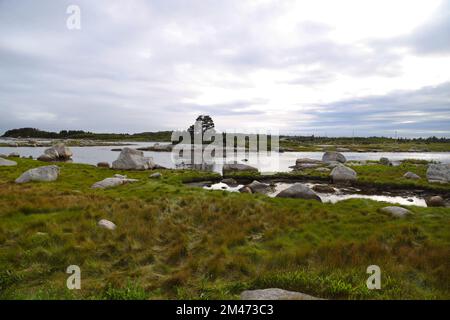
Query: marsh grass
x=174, y=241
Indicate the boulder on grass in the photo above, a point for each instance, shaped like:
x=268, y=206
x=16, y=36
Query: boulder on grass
x=397, y=212
x=435, y=201
x=438, y=173
x=342, y=173
x=156, y=175
x=131, y=159
x=103, y=165
x=333, y=156
x=7, y=163
x=115, y=181
x=46, y=174
x=411, y=175
x=299, y=191
x=385, y=161
x=275, y=294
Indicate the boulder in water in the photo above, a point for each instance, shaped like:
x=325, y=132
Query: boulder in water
x=131, y=159
x=299, y=191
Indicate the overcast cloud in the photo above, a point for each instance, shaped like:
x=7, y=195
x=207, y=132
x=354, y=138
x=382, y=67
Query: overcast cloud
x=304, y=67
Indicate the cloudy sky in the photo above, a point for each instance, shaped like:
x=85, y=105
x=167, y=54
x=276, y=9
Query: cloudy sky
x=302, y=67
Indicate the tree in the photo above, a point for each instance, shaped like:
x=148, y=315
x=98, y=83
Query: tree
x=206, y=121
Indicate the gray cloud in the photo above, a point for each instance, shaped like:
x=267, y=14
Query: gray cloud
x=135, y=66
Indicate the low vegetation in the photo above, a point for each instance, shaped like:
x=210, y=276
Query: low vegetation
x=178, y=242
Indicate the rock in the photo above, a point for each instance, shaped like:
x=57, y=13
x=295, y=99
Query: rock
x=106, y=224
x=131, y=159
x=156, y=175
x=258, y=187
x=385, y=161
x=245, y=190
x=167, y=147
x=232, y=167
x=411, y=175
x=322, y=169
x=229, y=181
x=275, y=294
x=7, y=163
x=299, y=191
x=323, y=188
x=103, y=165
x=435, y=201
x=397, y=212
x=438, y=173
x=342, y=173
x=112, y=182
x=331, y=156
x=47, y=173
x=58, y=152
x=14, y=155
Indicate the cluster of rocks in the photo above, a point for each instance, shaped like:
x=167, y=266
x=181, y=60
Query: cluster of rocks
x=58, y=152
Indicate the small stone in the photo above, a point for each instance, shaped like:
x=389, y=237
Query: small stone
x=106, y=224
x=103, y=165
x=411, y=175
x=156, y=175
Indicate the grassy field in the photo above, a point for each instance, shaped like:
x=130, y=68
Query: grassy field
x=173, y=241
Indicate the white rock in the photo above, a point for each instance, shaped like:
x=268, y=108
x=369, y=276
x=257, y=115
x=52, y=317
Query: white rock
x=7, y=163
x=411, y=175
x=106, y=224
x=397, y=212
x=47, y=173
x=275, y=294
x=112, y=182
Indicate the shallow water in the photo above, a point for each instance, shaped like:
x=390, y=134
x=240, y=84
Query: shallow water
x=275, y=162
x=340, y=195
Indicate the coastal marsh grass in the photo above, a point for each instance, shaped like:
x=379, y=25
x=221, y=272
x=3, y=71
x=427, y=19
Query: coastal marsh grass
x=173, y=241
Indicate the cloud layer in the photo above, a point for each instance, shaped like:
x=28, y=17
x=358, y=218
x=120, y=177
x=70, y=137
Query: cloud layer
x=301, y=67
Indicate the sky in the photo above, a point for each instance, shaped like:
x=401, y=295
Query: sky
x=323, y=67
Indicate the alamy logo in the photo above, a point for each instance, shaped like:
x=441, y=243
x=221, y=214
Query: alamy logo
x=374, y=281
x=73, y=22
x=74, y=280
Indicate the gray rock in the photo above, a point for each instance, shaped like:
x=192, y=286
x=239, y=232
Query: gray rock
x=411, y=175
x=156, y=175
x=385, y=161
x=342, y=173
x=331, y=156
x=245, y=190
x=47, y=173
x=58, y=152
x=435, y=201
x=106, y=224
x=258, y=187
x=239, y=167
x=14, y=155
x=397, y=212
x=275, y=294
x=323, y=188
x=438, y=173
x=131, y=159
x=7, y=163
x=230, y=181
x=103, y=165
x=299, y=191
x=112, y=182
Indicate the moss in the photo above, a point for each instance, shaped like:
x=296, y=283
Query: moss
x=174, y=241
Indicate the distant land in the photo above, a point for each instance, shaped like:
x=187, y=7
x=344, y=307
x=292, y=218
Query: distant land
x=287, y=143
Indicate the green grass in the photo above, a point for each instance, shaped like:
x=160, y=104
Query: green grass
x=173, y=241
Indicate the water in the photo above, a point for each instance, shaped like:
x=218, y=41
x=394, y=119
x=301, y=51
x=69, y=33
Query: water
x=276, y=162
x=340, y=195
